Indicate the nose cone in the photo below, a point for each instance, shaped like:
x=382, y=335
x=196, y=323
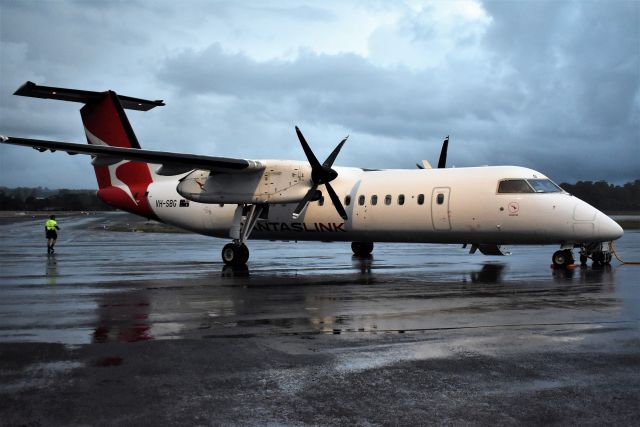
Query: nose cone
x=608, y=229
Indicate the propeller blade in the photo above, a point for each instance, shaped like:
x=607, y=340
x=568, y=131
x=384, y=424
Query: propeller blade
x=443, y=153
x=334, y=153
x=320, y=174
x=336, y=201
x=303, y=203
x=419, y=166
x=315, y=164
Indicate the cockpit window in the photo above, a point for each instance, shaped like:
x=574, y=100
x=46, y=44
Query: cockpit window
x=544, y=186
x=514, y=186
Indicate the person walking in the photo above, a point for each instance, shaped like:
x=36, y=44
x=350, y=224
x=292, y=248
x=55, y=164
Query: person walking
x=50, y=228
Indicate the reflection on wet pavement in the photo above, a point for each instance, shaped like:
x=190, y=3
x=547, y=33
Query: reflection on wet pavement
x=51, y=271
x=105, y=286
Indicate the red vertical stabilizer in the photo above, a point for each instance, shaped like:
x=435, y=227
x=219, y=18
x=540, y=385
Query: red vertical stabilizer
x=123, y=185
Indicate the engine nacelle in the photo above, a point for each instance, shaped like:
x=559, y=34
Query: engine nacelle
x=278, y=182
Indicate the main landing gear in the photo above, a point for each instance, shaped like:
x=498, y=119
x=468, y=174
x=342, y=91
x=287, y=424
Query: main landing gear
x=362, y=249
x=235, y=254
x=244, y=220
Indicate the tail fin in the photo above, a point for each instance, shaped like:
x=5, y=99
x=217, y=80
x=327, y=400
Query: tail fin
x=123, y=184
x=105, y=123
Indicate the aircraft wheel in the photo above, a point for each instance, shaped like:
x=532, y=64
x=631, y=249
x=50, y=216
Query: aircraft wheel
x=562, y=258
x=235, y=254
x=362, y=248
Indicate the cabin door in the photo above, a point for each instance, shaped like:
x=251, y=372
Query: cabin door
x=440, y=208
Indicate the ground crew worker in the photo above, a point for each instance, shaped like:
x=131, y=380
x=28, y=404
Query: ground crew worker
x=50, y=228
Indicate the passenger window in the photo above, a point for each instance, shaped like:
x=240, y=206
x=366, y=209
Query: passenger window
x=361, y=200
x=440, y=198
x=401, y=199
x=374, y=200
x=420, y=199
x=347, y=200
x=514, y=186
x=387, y=199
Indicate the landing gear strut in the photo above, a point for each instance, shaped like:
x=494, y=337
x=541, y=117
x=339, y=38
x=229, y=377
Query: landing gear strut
x=362, y=249
x=599, y=255
x=244, y=219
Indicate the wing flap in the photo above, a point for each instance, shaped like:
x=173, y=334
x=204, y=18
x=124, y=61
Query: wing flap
x=170, y=161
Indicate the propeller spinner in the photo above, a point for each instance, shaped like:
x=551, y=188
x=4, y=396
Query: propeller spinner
x=321, y=174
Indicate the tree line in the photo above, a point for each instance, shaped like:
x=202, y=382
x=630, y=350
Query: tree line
x=44, y=199
x=602, y=195
x=607, y=197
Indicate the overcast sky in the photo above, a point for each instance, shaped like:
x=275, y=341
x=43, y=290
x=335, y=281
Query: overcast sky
x=552, y=85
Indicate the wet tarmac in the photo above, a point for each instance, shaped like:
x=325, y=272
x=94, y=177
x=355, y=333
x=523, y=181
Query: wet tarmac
x=151, y=328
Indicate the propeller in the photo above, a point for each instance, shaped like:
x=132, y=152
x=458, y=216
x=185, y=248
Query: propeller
x=443, y=156
x=321, y=174
x=443, y=153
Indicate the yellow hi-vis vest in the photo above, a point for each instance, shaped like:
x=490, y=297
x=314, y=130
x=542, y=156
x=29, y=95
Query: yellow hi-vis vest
x=51, y=224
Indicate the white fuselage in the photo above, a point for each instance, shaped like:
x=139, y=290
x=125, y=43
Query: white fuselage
x=454, y=205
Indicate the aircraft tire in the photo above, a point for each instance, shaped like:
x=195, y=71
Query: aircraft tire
x=362, y=248
x=562, y=258
x=235, y=254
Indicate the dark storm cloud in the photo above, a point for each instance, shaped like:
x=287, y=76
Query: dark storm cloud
x=578, y=66
x=397, y=108
x=583, y=57
x=550, y=85
x=558, y=89
x=341, y=89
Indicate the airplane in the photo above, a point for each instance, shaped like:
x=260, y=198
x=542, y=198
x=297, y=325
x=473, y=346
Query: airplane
x=485, y=207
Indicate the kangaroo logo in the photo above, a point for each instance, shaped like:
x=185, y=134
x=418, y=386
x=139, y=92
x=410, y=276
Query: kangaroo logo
x=113, y=169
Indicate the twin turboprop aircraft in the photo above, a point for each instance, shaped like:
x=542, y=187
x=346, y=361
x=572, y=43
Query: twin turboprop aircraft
x=484, y=207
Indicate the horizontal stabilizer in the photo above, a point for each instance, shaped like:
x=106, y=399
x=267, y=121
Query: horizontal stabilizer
x=84, y=96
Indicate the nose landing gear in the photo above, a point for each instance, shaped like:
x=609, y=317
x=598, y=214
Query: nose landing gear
x=562, y=258
x=599, y=255
x=598, y=252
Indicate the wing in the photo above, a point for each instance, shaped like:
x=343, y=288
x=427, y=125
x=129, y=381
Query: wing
x=172, y=163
